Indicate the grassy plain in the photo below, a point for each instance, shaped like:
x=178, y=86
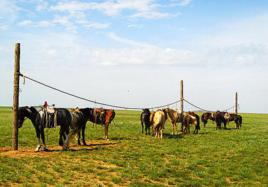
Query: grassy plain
x=211, y=158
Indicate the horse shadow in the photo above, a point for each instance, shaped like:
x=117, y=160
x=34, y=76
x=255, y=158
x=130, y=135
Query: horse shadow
x=172, y=136
x=82, y=148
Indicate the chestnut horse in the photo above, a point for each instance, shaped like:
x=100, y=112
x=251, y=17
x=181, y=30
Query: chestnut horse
x=102, y=116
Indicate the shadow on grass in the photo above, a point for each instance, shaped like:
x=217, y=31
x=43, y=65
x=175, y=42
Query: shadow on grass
x=172, y=136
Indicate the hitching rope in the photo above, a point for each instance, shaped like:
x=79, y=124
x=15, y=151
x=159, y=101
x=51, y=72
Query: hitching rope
x=95, y=102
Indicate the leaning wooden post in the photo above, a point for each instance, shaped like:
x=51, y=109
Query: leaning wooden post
x=181, y=101
x=236, y=102
x=16, y=96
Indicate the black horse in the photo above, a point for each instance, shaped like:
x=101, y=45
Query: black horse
x=145, y=120
x=39, y=119
x=80, y=116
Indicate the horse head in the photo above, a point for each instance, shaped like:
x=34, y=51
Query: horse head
x=24, y=112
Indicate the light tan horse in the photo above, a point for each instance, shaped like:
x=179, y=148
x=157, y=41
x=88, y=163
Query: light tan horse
x=175, y=117
x=157, y=120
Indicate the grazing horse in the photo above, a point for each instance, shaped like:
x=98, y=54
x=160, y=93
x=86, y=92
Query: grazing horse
x=234, y=117
x=102, y=116
x=206, y=116
x=40, y=120
x=175, y=117
x=157, y=120
x=145, y=120
x=188, y=119
x=219, y=119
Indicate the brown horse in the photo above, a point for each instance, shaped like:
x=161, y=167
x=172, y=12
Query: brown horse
x=207, y=116
x=104, y=117
x=175, y=117
x=188, y=119
x=157, y=120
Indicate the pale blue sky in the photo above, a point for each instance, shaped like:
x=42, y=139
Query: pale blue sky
x=135, y=52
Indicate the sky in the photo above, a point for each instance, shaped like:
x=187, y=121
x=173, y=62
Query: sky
x=135, y=52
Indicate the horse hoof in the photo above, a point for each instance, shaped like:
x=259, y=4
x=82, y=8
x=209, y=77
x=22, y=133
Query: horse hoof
x=65, y=148
x=38, y=148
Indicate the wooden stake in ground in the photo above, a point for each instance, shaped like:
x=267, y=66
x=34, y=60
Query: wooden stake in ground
x=16, y=96
x=181, y=100
x=236, y=103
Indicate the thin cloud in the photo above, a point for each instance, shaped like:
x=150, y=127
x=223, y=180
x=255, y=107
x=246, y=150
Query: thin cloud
x=148, y=9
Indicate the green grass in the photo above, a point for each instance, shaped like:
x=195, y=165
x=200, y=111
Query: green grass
x=211, y=158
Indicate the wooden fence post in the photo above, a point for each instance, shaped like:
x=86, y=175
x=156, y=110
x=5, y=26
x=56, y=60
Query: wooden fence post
x=181, y=100
x=16, y=96
x=236, y=102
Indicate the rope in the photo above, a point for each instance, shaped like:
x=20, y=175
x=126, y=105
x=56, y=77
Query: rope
x=205, y=109
x=196, y=106
x=95, y=102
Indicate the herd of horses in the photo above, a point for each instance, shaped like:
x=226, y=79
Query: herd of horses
x=156, y=120
x=73, y=121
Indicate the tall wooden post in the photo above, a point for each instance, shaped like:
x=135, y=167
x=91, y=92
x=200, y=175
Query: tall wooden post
x=236, y=102
x=16, y=96
x=181, y=99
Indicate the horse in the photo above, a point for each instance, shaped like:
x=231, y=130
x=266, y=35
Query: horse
x=41, y=119
x=175, y=117
x=188, y=119
x=80, y=116
x=145, y=120
x=102, y=116
x=234, y=117
x=206, y=116
x=157, y=120
x=219, y=119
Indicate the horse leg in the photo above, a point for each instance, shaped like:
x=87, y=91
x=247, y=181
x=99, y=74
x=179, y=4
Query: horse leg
x=205, y=122
x=173, y=128
x=142, y=127
x=78, y=137
x=224, y=125
x=38, y=138
x=106, y=131
x=61, y=137
x=44, y=148
x=83, y=134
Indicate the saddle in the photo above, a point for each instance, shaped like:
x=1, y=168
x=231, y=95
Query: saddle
x=49, y=117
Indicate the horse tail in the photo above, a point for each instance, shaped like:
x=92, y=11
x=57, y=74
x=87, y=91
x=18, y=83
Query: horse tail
x=55, y=118
x=197, y=122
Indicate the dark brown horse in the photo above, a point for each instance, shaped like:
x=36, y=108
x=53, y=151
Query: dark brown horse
x=219, y=119
x=191, y=118
x=234, y=117
x=145, y=120
x=207, y=116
